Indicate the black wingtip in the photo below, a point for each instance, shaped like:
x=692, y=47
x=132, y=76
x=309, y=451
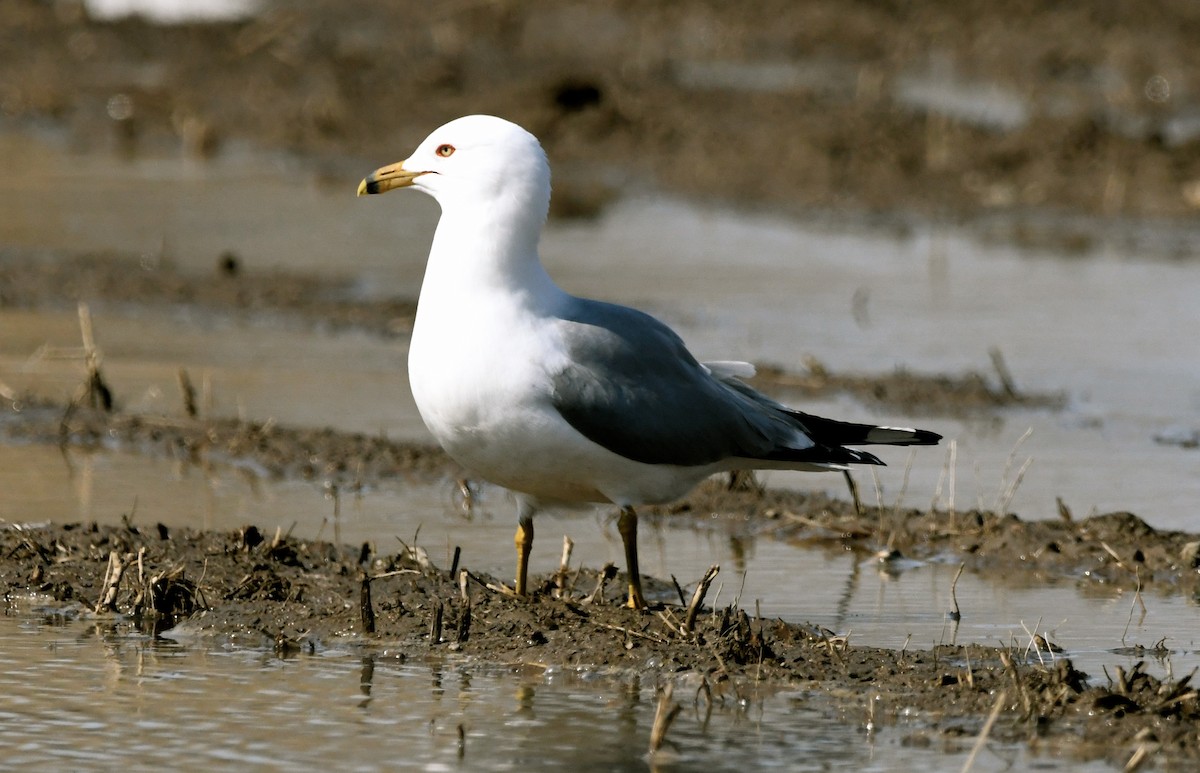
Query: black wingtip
x=923, y=437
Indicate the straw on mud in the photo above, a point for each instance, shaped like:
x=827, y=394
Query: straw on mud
x=1034, y=641
x=664, y=715
x=673, y=625
x=1140, y=755
x=630, y=633
x=607, y=573
x=1011, y=666
x=985, y=732
x=693, y=609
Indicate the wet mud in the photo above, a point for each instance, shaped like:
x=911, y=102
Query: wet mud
x=246, y=588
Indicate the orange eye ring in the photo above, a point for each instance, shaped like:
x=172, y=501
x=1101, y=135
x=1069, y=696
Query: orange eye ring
x=445, y=151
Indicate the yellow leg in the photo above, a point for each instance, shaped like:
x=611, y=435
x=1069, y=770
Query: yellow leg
x=627, y=525
x=524, y=542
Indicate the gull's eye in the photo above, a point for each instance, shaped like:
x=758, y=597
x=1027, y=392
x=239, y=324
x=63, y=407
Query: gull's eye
x=445, y=150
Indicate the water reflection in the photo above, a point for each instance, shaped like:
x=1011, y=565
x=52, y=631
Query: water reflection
x=92, y=693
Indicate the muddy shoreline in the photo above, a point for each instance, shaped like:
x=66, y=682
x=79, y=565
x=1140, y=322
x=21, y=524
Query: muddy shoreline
x=297, y=597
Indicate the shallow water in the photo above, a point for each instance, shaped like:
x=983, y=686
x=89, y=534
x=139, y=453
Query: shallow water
x=91, y=694
x=1109, y=329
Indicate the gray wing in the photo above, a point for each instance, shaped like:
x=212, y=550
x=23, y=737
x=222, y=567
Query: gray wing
x=632, y=386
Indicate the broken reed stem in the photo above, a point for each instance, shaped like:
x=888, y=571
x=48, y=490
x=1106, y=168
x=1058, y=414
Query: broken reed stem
x=664, y=715
x=1006, y=379
x=986, y=731
x=188, y=392
x=956, y=614
x=953, y=462
x=689, y=620
x=607, y=573
x=878, y=502
x=1012, y=489
x=564, y=564
x=464, y=622
x=850, y=484
x=94, y=388
x=454, y=561
x=679, y=592
x=1137, y=598
x=1008, y=464
x=90, y=353
x=112, y=584
x=435, y=628
x=365, y=608
x=912, y=454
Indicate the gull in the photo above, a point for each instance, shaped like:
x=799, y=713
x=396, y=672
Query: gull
x=565, y=400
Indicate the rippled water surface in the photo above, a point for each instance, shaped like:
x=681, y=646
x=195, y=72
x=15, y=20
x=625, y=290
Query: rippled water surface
x=94, y=695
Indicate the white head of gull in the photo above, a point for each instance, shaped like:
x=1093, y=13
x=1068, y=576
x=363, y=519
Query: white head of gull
x=565, y=400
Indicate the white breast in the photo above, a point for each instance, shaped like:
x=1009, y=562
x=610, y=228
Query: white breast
x=480, y=378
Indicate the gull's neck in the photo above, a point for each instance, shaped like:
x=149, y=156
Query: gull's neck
x=487, y=250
